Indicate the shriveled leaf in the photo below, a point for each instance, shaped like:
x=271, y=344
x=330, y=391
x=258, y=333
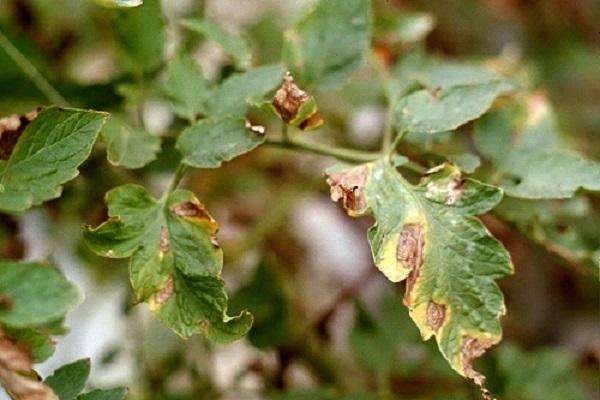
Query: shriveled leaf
x=175, y=263
x=186, y=87
x=524, y=143
x=443, y=110
x=108, y=394
x=140, y=35
x=233, y=45
x=119, y=3
x=235, y=95
x=428, y=235
x=326, y=46
x=33, y=294
x=128, y=146
x=47, y=155
x=210, y=142
x=296, y=107
x=69, y=380
x=17, y=375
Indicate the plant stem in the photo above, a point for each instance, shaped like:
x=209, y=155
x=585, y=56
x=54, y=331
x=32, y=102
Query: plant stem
x=388, y=130
x=32, y=73
x=322, y=149
x=177, y=177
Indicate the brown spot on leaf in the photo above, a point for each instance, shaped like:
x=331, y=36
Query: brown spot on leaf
x=6, y=303
x=11, y=128
x=16, y=372
x=436, y=315
x=349, y=186
x=191, y=210
x=288, y=100
x=409, y=252
x=164, y=239
x=473, y=348
x=165, y=293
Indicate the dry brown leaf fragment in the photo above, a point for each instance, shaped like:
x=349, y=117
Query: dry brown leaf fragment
x=473, y=348
x=16, y=372
x=11, y=128
x=349, y=186
x=289, y=102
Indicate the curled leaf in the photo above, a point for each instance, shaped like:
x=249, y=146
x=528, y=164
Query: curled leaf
x=296, y=107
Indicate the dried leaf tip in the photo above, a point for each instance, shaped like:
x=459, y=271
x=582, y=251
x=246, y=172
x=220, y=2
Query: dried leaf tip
x=349, y=185
x=295, y=106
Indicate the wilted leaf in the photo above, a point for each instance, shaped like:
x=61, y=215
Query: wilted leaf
x=239, y=91
x=33, y=294
x=69, y=380
x=186, y=87
x=17, y=375
x=233, y=45
x=127, y=146
x=175, y=263
x=210, y=142
x=119, y=3
x=523, y=142
x=428, y=235
x=443, y=110
x=47, y=155
x=140, y=36
x=326, y=46
x=294, y=106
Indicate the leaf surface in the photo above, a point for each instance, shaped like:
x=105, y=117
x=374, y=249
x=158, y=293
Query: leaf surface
x=428, y=235
x=108, y=394
x=119, y=3
x=69, y=380
x=326, y=46
x=47, y=155
x=127, y=146
x=175, y=262
x=210, y=142
x=186, y=87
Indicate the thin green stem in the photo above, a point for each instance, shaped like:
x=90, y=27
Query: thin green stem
x=177, y=177
x=284, y=131
x=388, y=131
x=325, y=150
x=32, y=73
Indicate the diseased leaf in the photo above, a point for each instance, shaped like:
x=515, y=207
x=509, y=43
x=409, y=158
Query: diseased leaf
x=445, y=110
x=523, y=142
x=233, y=45
x=119, y=3
x=69, y=380
x=186, y=87
x=17, y=375
x=33, y=294
x=127, y=146
x=296, y=107
x=326, y=46
x=109, y=394
x=239, y=91
x=175, y=263
x=47, y=155
x=210, y=142
x=428, y=235
x=140, y=35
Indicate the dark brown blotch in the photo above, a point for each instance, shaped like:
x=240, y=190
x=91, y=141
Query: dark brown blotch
x=165, y=293
x=436, y=315
x=289, y=98
x=164, y=239
x=349, y=186
x=191, y=210
x=409, y=252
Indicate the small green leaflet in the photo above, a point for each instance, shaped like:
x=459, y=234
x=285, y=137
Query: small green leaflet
x=410, y=28
x=37, y=294
x=175, y=263
x=127, y=146
x=36, y=340
x=46, y=156
x=523, y=142
x=428, y=235
x=210, y=142
x=233, y=45
x=186, y=87
x=326, y=46
x=119, y=3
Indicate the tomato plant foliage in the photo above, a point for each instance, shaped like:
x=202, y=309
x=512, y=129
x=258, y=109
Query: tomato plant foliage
x=425, y=207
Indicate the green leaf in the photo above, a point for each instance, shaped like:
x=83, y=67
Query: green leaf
x=37, y=341
x=326, y=46
x=186, y=87
x=69, y=380
x=445, y=110
x=47, y=155
x=127, y=146
x=428, y=235
x=140, y=35
x=467, y=162
x=175, y=263
x=109, y=394
x=239, y=91
x=523, y=142
x=210, y=142
x=36, y=294
x=442, y=74
x=412, y=27
x=233, y=45
x=119, y=3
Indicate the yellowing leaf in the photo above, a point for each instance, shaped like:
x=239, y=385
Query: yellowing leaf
x=427, y=235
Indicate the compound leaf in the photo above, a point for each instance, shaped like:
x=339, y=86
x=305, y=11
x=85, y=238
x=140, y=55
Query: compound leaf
x=127, y=146
x=175, y=262
x=210, y=142
x=326, y=46
x=428, y=235
x=47, y=155
x=33, y=294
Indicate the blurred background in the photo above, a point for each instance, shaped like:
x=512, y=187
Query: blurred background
x=328, y=324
